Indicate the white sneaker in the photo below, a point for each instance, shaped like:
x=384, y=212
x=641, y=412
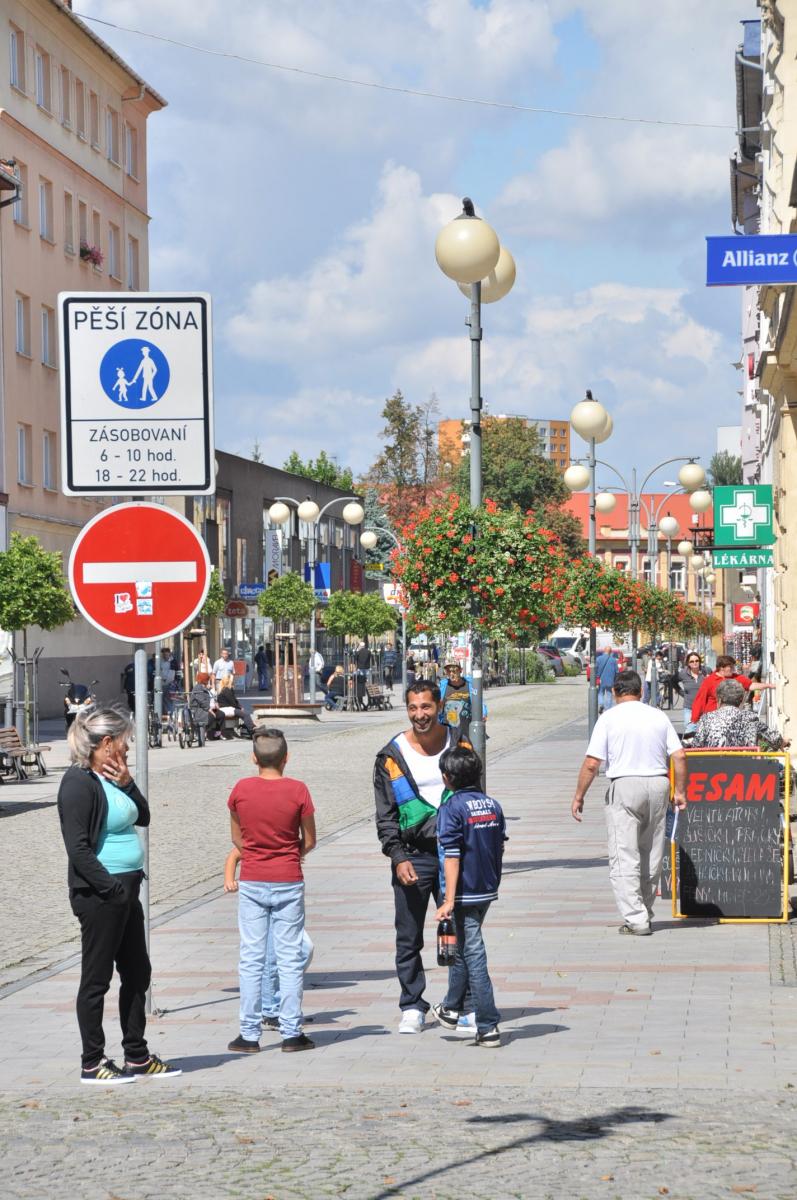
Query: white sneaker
x=466, y=1024
x=412, y=1021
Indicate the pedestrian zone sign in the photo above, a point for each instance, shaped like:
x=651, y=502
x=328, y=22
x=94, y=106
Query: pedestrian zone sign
x=743, y=515
x=136, y=394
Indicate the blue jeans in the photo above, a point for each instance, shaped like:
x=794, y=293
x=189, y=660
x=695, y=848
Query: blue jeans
x=270, y=1005
x=261, y=908
x=469, y=972
x=605, y=698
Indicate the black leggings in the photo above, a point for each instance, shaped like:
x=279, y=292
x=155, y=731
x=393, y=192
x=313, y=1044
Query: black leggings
x=112, y=934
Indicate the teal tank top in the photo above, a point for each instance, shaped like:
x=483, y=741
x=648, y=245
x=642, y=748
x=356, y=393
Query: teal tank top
x=119, y=849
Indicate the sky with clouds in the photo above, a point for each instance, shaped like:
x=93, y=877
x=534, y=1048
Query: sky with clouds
x=309, y=209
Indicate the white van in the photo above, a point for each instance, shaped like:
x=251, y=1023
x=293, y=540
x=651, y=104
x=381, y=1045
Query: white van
x=576, y=642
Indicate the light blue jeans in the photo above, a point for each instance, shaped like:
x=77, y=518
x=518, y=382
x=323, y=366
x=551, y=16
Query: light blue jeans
x=263, y=907
x=270, y=1005
x=605, y=698
x=469, y=972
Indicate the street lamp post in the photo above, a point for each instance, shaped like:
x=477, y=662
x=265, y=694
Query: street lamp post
x=368, y=540
x=468, y=251
x=309, y=512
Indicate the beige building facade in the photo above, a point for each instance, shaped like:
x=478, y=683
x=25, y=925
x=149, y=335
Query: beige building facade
x=73, y=129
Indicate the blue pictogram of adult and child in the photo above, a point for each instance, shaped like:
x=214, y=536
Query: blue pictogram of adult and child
x=134, y=373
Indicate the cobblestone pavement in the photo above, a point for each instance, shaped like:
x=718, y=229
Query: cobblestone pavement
x=410, y=1142
x=189, y=837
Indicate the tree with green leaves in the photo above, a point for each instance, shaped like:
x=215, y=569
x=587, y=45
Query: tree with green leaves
x=406, y=475
x=33, y=591
x=287, y=600
x=378, y=519
x=725, y=470
x=216, y=599
x=257, y=453
x=322, y=469
x=358, y=614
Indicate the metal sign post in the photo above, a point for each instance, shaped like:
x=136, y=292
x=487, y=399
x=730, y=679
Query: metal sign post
x=142, y=780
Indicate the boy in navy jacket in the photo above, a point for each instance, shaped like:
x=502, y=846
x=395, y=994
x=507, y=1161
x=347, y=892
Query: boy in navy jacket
x=470, y=835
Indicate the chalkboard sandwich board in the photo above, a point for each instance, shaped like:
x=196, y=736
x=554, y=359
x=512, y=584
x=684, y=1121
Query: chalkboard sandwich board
x=729, y=859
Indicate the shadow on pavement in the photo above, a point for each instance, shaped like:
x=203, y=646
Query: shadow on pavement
x=532, y=1031
x=14, y=809
x=336, y=979
x=582, y=1129
x=204, y=1062
x=544, y=864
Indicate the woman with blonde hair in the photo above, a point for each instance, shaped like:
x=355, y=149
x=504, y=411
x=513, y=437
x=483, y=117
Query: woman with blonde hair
x=99, y=806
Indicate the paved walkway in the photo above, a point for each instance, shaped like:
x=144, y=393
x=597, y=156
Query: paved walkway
x=631, y=1067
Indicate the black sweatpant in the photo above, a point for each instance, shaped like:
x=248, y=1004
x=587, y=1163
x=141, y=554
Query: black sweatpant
x=411, y=905
x=112, y=934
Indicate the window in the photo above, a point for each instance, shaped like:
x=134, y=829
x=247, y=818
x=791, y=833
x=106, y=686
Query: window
x=114, y=252
x=83, y=222
x=132, y=264
x=17, y=56
x=80, y=109
x=96, y=233
x=46, y=210
x=49, y=471
x=112, y=135
x=677, y=580
x=241, y=571
x=131, y=151
x=69, y=223
x=23, y=324
x=647, y=570
x=94, y=120
x=24, y=454
x=48, y=336
x=20, y=206
x=66, y=98
x=43, y=80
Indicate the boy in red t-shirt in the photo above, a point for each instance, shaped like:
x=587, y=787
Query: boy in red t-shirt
x=272, y=824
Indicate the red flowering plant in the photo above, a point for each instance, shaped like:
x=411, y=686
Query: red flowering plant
x=601, y=595
x=453, y=556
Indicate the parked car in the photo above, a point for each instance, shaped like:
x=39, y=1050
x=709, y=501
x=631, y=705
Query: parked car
x=552, y=656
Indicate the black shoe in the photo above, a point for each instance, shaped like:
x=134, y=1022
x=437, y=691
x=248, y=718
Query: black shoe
x=446, y=1016
x=293, y=1044
x=271, y=1022
x=490, y=1039
x=241, y=1046
x=153, y=1066
x=106, y=1074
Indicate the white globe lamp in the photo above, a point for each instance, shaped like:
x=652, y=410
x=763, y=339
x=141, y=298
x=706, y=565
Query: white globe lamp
x=691, y=476
x=710, y=577
x=308, y=510
x=368, y=540
x=353, y=513
x=500, y=280
x=685, y=549
x=697, y=562
x=576, y=477
x=608, y=430
x=589, y=418
x=279, y=513
x=467, y=249
x=700, y=500
x=669, y=526
x=605, y=502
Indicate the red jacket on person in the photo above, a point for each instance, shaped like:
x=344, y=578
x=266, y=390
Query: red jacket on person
x=706, y=698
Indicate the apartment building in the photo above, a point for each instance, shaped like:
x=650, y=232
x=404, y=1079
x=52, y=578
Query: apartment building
x=73, y=124
x=453, y=439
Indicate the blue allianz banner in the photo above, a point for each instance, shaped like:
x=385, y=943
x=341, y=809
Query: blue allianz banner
x=759, y=258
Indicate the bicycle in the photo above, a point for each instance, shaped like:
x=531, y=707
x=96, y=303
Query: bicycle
x=154, y=729
x=188, y=731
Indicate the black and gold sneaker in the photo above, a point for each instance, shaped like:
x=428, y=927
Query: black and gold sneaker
x=106, y=1074
x=153, y=1066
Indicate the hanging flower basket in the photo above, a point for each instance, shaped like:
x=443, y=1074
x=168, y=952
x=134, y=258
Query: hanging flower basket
x=91, y=254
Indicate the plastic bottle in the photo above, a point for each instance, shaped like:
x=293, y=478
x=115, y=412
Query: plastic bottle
x=446, y=942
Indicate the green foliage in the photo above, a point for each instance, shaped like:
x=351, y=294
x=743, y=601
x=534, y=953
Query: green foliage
x=216, y=598
x=376, y=517
x=513, y=469
x=358, y=614
x=322, y=469
x=33, y=590
x=725, y=470
x=288, y=598
x=257, y=453
x=409, y=458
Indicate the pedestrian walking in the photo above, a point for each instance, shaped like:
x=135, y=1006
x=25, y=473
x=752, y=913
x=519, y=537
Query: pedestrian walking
x=261, y=662
x=471, y=836
x=389, y=661
x=606, y=668
x=273, y=826
x=408, y=788
x=690, y=679
x=637, y=743
x=99, y=807
x=456, y=693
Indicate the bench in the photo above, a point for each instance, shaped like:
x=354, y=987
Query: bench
x=378, y=697
x=16, y=757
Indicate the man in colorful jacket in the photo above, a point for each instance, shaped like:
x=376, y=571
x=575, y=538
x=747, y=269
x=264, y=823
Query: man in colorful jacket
x=408, y=788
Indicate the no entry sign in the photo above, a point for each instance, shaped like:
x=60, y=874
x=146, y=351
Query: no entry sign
x=139, y=572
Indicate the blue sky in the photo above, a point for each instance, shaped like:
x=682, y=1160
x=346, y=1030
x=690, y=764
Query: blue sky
x=309, y=209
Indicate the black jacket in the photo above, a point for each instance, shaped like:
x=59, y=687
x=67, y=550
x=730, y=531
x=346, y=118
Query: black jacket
x=82, y=810
x=398, y=843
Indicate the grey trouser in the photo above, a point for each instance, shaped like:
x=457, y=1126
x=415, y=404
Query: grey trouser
x=636, y=808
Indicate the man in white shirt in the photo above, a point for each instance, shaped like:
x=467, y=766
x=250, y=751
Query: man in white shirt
x=637, y=744
x=221, y=668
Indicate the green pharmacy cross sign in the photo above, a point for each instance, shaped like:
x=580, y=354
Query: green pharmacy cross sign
x=743, y=515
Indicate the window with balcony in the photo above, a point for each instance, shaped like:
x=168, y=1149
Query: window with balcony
x=114, y=252
x=16, y=50
x=24, y=455
x=20, y=205
x=46, y=210
x=66, y=98
x=131, y=151
x=94, y=120
x=69, y=223
x=22, y=312
x=44, y=97
x=133, y=280
x=48, y=336
x=112, y=135
x=80, y=109
x=49, y=468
